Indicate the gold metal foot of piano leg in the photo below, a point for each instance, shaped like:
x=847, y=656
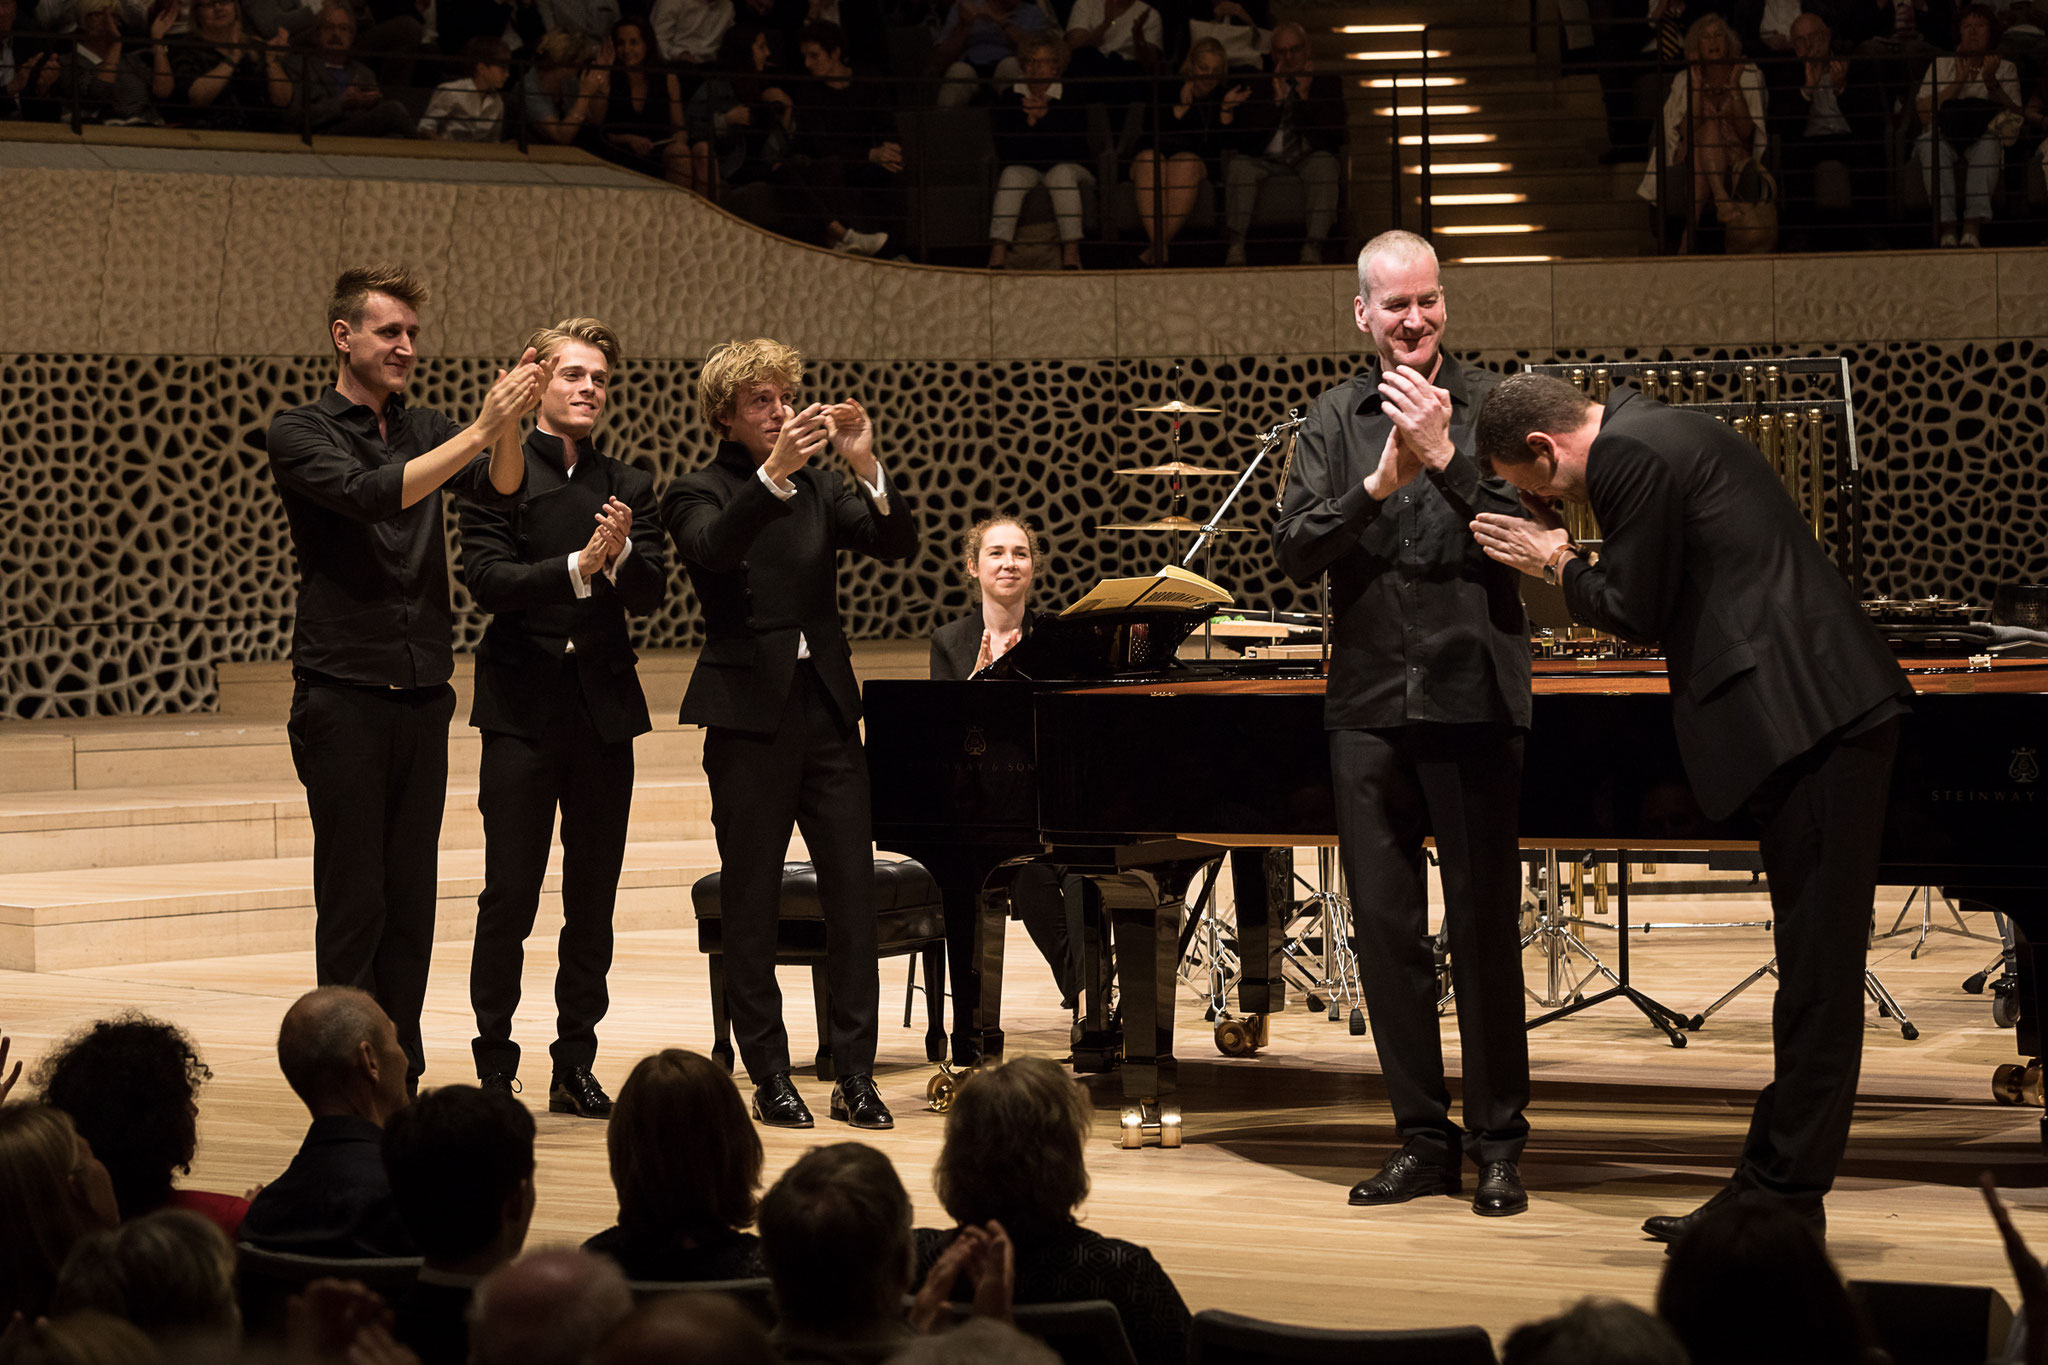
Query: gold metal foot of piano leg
x=1150, y=1123
x=940, y=1090
x=2005, y=1083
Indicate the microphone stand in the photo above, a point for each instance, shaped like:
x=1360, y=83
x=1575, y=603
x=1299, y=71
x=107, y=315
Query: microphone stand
x=1267, y=440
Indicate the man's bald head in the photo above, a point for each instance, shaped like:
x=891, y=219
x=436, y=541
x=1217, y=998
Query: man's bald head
x=337, y=1049
x=1810, y=36
x=547, y=1308
x=707, y=1329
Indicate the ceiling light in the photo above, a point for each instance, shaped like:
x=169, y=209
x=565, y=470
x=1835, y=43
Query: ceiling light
x=1488, y=229
x=1499, y=260
x=1448, y=139
x=1378, y=28
x=1455, y=200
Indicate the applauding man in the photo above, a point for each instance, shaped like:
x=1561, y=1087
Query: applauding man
x=759, y=530
x=559, y=704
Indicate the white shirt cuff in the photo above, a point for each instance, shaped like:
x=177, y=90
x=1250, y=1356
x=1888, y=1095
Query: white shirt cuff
x=878, y=490
x=611, y=570
x=576, y=578
x=784, y=491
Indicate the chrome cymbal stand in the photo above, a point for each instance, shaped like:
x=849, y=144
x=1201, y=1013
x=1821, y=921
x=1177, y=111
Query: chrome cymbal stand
x=1880, y=995
x=1209, y=963
x=1555, y=935
x=1928, y=924
x=1667, y=1020
x=1317, y=956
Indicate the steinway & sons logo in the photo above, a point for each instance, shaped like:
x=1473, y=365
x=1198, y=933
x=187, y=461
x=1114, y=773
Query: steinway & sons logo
x=976, y=743
x=2024, y=771
x=2025, y=767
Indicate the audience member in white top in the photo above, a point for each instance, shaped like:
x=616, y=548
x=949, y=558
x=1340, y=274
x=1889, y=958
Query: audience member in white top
x=1713, y=123
x=689, y=31
x=1112, y=46
x=1975, y=72
x=470, y=108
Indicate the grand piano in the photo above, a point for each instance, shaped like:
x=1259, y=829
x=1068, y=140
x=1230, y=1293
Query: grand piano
x=1141, y=779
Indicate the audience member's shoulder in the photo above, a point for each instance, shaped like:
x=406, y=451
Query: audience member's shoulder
x=224, y=1211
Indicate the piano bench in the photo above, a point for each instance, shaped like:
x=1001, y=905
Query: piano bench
x=909, y=918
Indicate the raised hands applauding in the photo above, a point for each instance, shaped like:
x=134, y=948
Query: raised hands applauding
x=608, y=541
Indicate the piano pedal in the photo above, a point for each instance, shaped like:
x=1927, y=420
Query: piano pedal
x=940, y=1090
x=2016, y=1084
x=1149, y=1122
x=1244, y=1036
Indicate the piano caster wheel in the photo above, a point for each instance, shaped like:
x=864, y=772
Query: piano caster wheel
x=1357, y=1022
x=2005, y=1083
x=1150, y=1122
x=941, y=1089
x=2005, y=1011
x=1245, y=1036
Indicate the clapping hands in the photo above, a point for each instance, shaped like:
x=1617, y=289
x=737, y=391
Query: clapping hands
x=608, y=541
x=986, y=1259
x=514, y=393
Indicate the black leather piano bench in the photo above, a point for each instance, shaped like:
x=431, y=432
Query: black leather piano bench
x=908, y=919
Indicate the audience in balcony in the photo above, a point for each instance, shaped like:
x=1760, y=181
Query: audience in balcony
x=225, y=77
x=1714, y=129
x=340, y=1054
x=1902, y=36
x=1114, y=47
x=737, y=122
x=170, y=1273
x=1243, y=28
x=53, y=1194
x=1294, y=123
x=1041, y=138
x=471, y=108
x=458, y=23
x=103, y=78
x=1185, y=141
x=1830, y=121
x=566, y=91
x=547, y=1308
x=336, y=94
x=689, y=32
x=28, y=69
x=1960, y=103
x=686, y=1165
x=846, y=177
x=979, y=43
x=642, y=126
x=131, y=1087
x=592, y=19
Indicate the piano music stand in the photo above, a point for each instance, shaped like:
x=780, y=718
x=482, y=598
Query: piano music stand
x=1663, y=1016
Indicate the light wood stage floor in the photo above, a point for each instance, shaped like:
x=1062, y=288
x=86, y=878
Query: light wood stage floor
x=1251, y=1215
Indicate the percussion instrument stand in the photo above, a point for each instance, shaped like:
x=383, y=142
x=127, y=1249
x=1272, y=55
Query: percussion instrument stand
x=1561, y=941
x=1880, y=995
x=1209, y=964
x=1928, y=924
x=1267, y=440
x=1328, y=978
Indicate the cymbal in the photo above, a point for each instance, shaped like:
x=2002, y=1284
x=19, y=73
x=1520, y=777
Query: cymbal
x=1171, y=524
x=1179, y=468
x=1179, y=409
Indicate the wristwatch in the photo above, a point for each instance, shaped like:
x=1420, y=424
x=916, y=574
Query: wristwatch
x=1553, y=568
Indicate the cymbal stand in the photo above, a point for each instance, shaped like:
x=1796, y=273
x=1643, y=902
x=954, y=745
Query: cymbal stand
x=1928, y=924
x=1880, y=995
x=1668, y=1020
x=1318, y=957
x=1554, y=935
x=1267, y=440
x=1209, y=963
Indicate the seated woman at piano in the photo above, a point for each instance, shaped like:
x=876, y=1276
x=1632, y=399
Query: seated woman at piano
x=1001, y=556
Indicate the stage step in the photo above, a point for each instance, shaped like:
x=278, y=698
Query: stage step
x=95, y=917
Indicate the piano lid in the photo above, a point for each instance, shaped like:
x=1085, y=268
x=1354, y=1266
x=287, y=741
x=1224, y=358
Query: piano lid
x=1102, y=645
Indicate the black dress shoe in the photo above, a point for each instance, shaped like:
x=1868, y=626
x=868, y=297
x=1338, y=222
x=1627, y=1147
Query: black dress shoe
x=777, y=1104
x=1500, y=1193
x=1671, y=1228
x=503, y=1081
x=1406, y=1176
x=856, y=1101
x=575, y=1091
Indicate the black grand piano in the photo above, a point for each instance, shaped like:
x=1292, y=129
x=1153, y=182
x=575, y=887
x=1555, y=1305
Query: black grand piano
x=1105, y=754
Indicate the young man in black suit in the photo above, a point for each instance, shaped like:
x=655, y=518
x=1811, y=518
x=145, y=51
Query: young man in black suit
x=760, y=530
x=1786, y=704
x=559, y=704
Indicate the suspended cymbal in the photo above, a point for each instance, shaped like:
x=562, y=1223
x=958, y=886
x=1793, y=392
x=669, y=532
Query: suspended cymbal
x=1180, y=468
x=1170, y=524
x=1179, y=409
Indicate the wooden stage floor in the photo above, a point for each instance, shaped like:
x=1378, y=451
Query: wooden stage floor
x=1250, y=1215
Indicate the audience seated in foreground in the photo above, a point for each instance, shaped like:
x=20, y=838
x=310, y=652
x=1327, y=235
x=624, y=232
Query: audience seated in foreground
x=1013, y=1155
x=1759, y=1253
x=53, y=1193
x=835, y=1232
x=686, y=1164
x=79, y=1339
x=460, y=1160
x=131, y=1086
x=1595, y=1332
x=547, y=1308
x=340, y=1054
x=703, y=1329
x=977, y=1341
x=169, y=1273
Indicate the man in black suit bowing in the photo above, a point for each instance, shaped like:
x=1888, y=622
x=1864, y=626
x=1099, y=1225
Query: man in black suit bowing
x=559, y=704
x=1786, y=705
x=759, y=530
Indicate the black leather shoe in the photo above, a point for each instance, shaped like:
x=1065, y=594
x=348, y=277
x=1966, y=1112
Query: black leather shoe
x=1500, y=1193
x=1405, y=1176
x=856, y=1101
x=499, y=1080
x=575, y=1091
x=777, y=1104
x=1670, y=1228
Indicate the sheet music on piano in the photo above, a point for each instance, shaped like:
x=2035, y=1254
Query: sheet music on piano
x=1172, y=589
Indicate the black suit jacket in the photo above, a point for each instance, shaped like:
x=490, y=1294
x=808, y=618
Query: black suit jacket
x=766, y=571
x=957, y=644
x=1861, y=102
x=333, y=1200
x=513, y=562
x=1321, y=119
x=1769, y=652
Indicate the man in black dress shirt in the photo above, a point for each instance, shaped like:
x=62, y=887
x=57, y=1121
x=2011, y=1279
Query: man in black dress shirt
x=1427, y=703
x=559, y=703
x=372, y=647
x=1785, y=702
x=760, y=530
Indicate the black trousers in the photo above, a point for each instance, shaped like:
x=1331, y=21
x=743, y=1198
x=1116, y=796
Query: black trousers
x=809, y=775
x=1462, y=784
x=374, y=763
x=1048, y=899
x=520, y=784
x=1820, y=819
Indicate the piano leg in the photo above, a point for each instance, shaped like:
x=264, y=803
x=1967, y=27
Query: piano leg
x=1097, y=1040
x=973, y=892
x=2019, y=1083
x=1145, y=908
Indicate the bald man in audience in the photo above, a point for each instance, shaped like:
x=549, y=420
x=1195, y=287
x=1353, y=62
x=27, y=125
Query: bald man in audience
x=705, y=1329
x=547, y=1308
x=341, y=1056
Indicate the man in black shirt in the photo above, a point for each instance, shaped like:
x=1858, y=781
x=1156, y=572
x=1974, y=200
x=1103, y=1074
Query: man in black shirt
x=1428, y=700
x=847, y=177
x=372, y=645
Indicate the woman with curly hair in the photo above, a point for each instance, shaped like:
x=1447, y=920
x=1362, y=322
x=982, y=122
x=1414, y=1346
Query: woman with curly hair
x=131, y=1084
x=53, y=1194
x=1012, y=1155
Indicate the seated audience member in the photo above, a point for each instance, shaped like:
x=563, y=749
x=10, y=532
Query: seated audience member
x=977, y=1341
x=53, y=1194
x=1830, y=111
x=835, y=1232
x=471, y=108
x=1759, y=1253
x=1594, y=1332
x=1713, y=125
x=1294, y=122
x=1901, y=36
x=1013, y=1155
x=458, y=23
x=460, y=1160
x=29, y=68
x=1114, y=46
x=1041, y=138
x=131, y=1085
x=337, y=95
x=1958, y=99
x=737, y=122
x=979, y=42
x=566, y=91
x=703, y=1329
x=222, y=77
x=79, y=1339
x=686, y=1164
x=1243, y=28
x=849, y=177
x=1186, y=141
x=689, y=32
x=643, y=115
x=590, y=19
x=547, y=1308
x=170, y=1273
x=296, y=17
x=340, y=1054
x=107, y=80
